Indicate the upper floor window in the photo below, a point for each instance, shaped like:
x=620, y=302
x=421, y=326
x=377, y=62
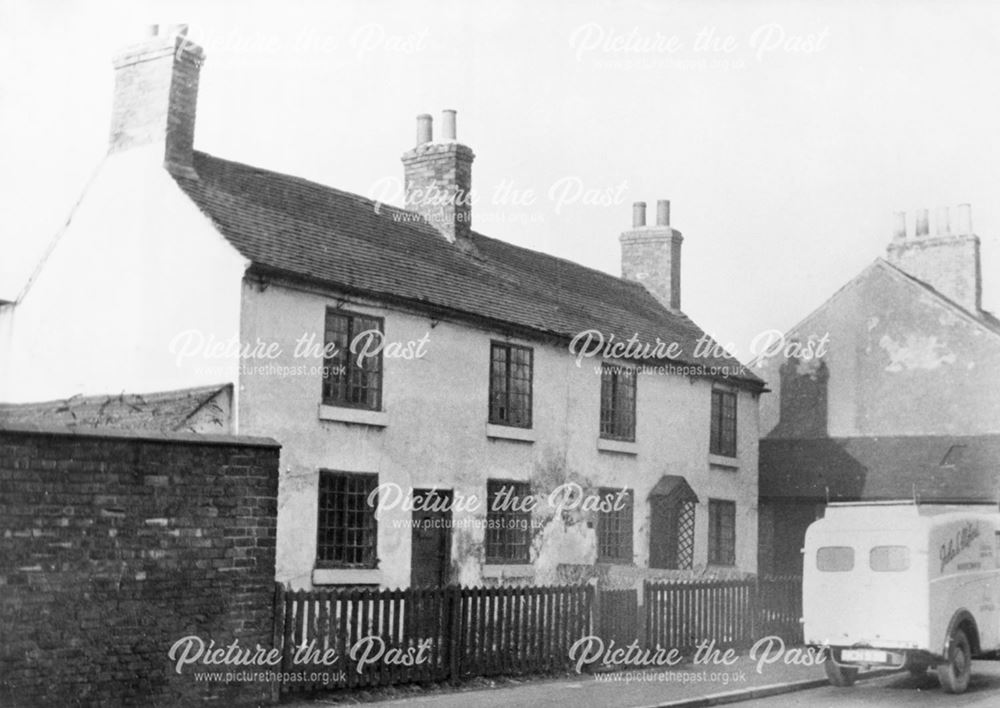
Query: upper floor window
x=721, y=532
x=722, y=438
x=614, y=526
x=346, y=532
x=618, y=402
x=510, y=384
x=349, y=379
x=507, y=523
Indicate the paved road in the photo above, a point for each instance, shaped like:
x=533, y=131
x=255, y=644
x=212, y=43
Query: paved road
x=585, y=691
x=627, y=689
x=895, y=690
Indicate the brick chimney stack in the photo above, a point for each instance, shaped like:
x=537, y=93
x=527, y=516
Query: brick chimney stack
x=438, y=178
x=156, y=96
x=947, y=260
x=651, y=255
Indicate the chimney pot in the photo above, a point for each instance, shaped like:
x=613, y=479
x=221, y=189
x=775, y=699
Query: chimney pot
x=425, y=131
x=899, y=225
x=638, y=214
x=941, y=221
x=950, y=262
x=438, y=180
x=448, y=131
x=663, y=212
x=652, y=257
x=963, y=220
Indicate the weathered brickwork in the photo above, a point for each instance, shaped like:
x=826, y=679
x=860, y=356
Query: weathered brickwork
x=116, y=546
x=949, y=264
x=156, y=98
x=438, y=179
x=652, y=256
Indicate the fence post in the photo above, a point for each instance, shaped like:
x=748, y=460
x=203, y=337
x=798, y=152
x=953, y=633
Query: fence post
x=454, y=607
x=640, y=615
x=277, y=632
x=595, y=619
x=591, y=610
x=756, y=621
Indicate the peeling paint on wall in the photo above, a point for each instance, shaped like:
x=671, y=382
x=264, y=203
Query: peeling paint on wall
x=434, y=437
x=917, y=352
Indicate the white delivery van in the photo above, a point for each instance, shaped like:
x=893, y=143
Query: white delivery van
x=903, y=584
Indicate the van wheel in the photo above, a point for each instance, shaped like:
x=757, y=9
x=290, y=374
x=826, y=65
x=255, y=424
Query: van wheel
x=840, y=676
x=954, y=674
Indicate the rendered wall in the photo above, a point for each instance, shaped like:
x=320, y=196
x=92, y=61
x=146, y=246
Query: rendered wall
x=435, y=436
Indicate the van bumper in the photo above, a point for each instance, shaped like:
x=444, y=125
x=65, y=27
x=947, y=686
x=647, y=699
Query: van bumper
x=876, y=657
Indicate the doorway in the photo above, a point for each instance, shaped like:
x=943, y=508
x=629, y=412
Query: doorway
x=430, y=563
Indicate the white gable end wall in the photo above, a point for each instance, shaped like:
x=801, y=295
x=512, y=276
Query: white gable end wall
x=137, y=266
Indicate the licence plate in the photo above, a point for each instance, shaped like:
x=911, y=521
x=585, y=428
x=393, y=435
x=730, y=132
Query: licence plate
x=873, y=656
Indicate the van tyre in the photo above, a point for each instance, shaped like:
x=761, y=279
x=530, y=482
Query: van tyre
x=954, y=674
x=839, y=675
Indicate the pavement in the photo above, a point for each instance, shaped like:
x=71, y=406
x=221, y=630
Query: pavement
x=684, y=686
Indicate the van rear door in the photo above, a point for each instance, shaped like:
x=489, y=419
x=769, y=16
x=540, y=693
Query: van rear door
x=868, y=590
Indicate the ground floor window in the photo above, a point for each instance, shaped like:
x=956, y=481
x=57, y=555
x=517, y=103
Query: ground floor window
x=507, y=524
x=347, y=529
x=721, y=532
x=614, y=526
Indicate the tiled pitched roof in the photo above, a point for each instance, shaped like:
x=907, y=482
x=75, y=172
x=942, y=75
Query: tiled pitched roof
x=934, y=467
x=167, y=411
x=302, y=229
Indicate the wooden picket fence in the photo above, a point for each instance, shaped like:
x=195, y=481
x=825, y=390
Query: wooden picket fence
x=732, y=613
x=779, y=608
x=618, y=616
x=455, y=632
x=681, y=614
x=459, y=632
x=519, y=630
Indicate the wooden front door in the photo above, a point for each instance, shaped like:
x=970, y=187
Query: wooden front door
x=430, y=564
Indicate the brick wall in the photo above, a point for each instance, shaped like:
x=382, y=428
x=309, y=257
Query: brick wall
x=438, y=182
x=652, y=256
x=114, y=546
x=156, y=97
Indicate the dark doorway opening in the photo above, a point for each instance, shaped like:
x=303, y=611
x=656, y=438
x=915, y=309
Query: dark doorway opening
x=430, y=564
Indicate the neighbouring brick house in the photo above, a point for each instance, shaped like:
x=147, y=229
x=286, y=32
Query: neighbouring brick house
x=461, y=383
x=903, y=403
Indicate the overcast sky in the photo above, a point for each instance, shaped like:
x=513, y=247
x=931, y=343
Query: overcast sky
x=784, y=134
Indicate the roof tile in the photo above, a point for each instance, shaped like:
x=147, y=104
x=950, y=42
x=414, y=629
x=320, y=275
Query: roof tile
x=306, y=230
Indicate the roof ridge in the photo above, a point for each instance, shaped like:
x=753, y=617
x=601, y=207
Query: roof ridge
x=625, y=283
x=987, y=322
x=792, y=331
x=305, y=181
x=618, y=279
